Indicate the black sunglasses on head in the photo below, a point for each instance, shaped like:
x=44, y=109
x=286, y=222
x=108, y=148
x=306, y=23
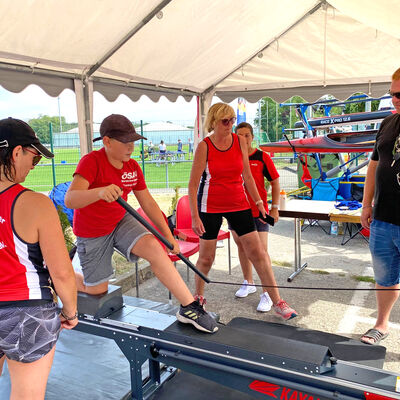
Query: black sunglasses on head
x=395, y=94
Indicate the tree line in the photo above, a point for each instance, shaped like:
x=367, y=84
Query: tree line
x=41, y=126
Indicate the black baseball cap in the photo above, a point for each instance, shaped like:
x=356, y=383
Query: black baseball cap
x=118, y=127
x=14, y=132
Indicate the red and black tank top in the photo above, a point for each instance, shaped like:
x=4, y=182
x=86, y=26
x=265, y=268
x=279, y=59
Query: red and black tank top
x=24, y=276
x=221, y=186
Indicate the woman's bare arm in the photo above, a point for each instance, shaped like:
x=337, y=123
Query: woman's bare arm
x=198, y=167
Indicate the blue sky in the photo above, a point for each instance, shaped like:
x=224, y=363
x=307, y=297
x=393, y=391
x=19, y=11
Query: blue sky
x=33, y=101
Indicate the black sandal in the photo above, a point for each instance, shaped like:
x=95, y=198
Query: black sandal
x=374, y=334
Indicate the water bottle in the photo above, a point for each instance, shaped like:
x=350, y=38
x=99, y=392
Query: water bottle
x=282, y=200
x=334, y=228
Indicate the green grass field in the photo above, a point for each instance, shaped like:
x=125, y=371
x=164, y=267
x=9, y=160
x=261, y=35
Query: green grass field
x=161, y=175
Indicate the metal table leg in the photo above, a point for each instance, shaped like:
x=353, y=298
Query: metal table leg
x=298, y=267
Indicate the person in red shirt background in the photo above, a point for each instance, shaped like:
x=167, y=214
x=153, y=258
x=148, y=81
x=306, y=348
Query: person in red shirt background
x=101, y=224
x=261, y=166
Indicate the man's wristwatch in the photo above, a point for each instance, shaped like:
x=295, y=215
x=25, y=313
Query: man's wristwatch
x=75, y=316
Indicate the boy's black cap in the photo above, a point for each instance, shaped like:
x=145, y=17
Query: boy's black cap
x=14, y=132
x=118, y=127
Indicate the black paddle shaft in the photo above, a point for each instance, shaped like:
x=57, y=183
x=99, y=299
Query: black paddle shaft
x=160, y=237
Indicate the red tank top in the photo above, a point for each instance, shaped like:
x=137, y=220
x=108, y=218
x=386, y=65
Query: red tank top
x=23, y=273
x=221, y=186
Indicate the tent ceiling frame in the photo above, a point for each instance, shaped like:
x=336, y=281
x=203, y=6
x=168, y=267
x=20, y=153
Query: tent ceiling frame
x=133, y=31
x=145, y=86
x=301, y=19
x=33, y=70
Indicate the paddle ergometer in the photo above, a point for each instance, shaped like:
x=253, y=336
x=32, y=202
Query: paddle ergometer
x=244, y=359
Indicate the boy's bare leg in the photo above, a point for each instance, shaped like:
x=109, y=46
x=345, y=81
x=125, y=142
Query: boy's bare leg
x=150, y=249
x=98, y=289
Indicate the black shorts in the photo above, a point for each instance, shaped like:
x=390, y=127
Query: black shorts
x=242, y=222
x=260, y=226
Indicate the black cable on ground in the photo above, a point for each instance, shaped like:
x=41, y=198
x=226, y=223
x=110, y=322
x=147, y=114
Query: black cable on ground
x=303, y=287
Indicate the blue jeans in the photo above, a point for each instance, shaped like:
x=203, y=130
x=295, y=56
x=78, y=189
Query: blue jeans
x=384, y=243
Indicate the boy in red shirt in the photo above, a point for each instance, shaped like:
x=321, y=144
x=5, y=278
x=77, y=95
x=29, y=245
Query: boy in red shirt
x=101, y=224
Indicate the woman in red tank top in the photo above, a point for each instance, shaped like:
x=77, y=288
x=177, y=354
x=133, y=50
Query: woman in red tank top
x=32, y=250
x=216, y=189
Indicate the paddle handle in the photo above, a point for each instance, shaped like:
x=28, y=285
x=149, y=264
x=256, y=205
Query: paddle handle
x=158, y=235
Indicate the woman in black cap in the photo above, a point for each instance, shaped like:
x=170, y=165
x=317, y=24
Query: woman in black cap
x=34, y=263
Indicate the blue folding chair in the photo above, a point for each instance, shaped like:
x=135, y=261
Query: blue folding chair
x=326, y=190
x=323, y=190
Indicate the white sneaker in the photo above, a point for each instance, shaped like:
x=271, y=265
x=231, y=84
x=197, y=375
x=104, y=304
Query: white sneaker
x=265, y=303
x=245, y=289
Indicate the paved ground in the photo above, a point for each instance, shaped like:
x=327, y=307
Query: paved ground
x=349, y=313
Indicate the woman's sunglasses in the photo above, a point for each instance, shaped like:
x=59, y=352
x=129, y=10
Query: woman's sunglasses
x=36, y=159
x=395, y=94
x=227, y=121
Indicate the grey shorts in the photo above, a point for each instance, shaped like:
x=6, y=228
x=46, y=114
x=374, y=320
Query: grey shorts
x=95, y=253
x=28, y=333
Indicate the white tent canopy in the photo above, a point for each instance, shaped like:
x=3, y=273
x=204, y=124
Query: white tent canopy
x=253, y=48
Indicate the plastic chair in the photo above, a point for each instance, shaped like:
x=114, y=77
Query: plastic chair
x=187, y=248
x=184, y=231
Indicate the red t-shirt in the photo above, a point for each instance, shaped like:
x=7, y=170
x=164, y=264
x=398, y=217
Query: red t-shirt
x=221, y=187
x=261, y=166
x=100, y=218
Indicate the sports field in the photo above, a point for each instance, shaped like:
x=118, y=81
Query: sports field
x=158, y=174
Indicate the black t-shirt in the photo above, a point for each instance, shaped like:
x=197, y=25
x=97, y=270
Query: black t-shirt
x=387, y=178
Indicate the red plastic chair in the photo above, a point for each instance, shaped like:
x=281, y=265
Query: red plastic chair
x=184, y=229
x=187, y=248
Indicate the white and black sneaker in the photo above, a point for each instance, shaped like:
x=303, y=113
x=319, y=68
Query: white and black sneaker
x=195, y=314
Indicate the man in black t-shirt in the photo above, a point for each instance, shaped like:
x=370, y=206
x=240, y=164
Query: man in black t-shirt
x=381, y=214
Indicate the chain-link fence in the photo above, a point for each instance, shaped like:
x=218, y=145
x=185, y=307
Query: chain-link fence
x=162, y=170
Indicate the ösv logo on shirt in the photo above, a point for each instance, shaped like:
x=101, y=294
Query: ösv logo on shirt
x=129, y=175
x=129, y=178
